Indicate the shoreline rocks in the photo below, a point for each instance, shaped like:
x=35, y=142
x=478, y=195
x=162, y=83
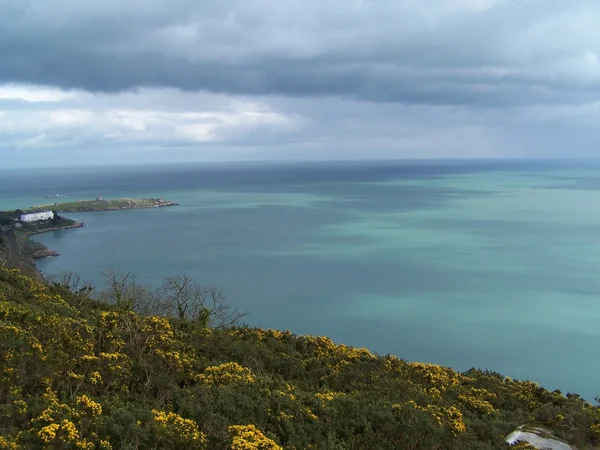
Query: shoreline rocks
x=44, y=253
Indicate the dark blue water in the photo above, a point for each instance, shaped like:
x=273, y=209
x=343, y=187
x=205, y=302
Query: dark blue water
x=494, y=265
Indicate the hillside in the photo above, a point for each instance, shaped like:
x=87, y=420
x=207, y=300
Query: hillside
x=17, y=251
x=104, y=205
x=78, y=373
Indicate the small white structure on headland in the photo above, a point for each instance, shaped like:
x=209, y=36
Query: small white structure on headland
x=34, y=217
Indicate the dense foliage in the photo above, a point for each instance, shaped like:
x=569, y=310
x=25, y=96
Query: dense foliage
x=77, y=373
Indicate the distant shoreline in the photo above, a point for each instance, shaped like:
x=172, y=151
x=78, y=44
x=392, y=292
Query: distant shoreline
x=101, y=204
x=21, y=251
x=48, y=230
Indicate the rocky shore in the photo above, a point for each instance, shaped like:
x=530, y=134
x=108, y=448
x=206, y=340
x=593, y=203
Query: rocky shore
x=44, y=253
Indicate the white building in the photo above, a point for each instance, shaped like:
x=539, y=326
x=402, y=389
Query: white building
x=34, y=217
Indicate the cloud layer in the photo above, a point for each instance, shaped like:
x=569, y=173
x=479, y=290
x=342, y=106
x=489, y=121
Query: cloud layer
x=351, y=78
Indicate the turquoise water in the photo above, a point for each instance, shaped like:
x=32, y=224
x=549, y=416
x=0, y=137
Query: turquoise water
x=494, y=265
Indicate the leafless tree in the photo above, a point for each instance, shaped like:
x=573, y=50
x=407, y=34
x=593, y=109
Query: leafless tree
x=178, y=297
x=122, y=289
x=80, y=290
x=184, y=299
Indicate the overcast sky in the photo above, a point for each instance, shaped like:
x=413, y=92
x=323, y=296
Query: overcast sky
x=118, y=81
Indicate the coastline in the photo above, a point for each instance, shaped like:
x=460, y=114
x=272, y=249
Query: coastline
x=37, y=251
x=116, y=208
x=47, y=252
x=48, y=230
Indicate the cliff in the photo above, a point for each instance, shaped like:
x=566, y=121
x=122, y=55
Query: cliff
x=17, y=251
x=79, y=373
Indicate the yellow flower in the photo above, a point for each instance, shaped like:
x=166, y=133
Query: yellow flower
x=285, y=416
x=5, y=444
x=105, y=445
x=248, y=437
x=20, y=406
x=46, y=415
x=94, y=408
x=37, y=346
x=48, y=433
x=95, y=378
x=85, y=445
x=71, y=433
x=309, y=413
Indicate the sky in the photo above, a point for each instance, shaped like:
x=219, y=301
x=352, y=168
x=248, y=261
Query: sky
x=127, y=81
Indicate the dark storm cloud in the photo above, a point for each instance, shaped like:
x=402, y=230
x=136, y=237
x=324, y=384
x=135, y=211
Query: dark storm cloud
x=466, y=52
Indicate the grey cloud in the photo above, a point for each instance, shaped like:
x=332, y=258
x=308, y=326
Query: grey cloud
x=438, y=53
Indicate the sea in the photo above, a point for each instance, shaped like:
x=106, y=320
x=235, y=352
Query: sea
x=487, y=264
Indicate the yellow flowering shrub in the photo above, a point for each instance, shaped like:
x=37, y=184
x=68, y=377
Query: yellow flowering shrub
x=227, y=373
x=173, y=431
x=8, y=444
x=66, y=433
x=431, y=376
x=160, y=330
x=449, y=418
x=328, y=396
x=262, y=334
x=94, y=377
x=308, y=413
x=61, y=423
x=89, y=405
x=248, y=437
x=477, y=400
x=525, y=391
x=48, y=433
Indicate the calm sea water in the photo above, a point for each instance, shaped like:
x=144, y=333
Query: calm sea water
x=494, y=265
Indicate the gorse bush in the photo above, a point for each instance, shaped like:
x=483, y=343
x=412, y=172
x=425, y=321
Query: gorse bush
x=76, y=373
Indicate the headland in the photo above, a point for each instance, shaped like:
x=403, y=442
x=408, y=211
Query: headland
x=101, y=204
x=19, y=251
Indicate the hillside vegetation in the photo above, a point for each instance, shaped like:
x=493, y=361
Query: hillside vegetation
x=79, y=373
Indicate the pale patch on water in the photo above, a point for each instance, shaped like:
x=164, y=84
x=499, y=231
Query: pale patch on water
x=485, y=182
x=254, y=200
x=579, y=316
